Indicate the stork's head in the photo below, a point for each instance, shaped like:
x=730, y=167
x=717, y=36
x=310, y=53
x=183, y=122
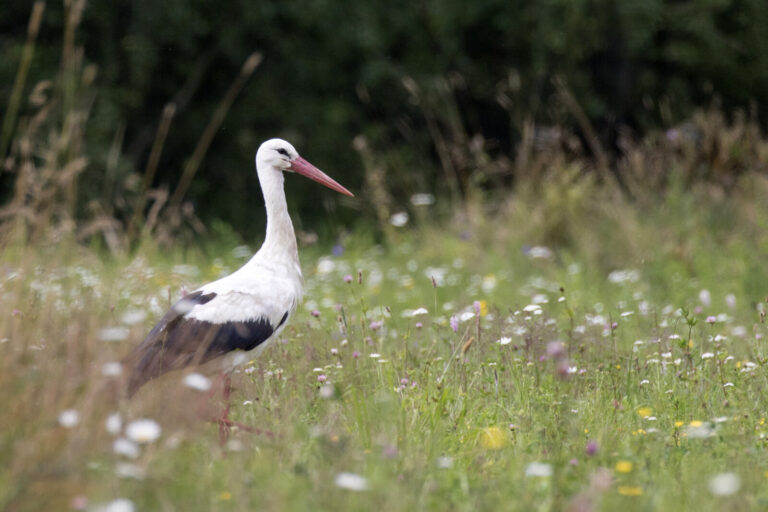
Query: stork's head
x=280, y=155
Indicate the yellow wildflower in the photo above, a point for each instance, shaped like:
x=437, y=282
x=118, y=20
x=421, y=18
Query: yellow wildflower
x=696, y=423
x=624, y=466
x=630, y=490
x=679, y=424
x=225, y=496
x=493, y=438
x=644, y=411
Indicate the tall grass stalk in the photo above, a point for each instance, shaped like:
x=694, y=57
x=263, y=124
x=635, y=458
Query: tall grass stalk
x=14, y=101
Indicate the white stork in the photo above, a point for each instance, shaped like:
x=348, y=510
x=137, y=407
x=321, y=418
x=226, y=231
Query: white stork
x=232, y=320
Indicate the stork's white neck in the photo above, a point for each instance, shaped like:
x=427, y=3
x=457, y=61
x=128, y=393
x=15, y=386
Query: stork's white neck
x=280, y=241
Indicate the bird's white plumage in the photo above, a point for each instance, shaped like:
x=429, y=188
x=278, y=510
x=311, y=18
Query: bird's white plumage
x=234, y=318
x=252, y=292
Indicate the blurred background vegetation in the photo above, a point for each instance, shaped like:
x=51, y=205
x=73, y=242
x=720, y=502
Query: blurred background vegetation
x=124, y=120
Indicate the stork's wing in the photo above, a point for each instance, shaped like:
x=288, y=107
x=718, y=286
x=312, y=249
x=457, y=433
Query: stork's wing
x=180, y=340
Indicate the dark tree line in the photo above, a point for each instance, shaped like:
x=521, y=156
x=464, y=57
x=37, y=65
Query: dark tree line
x=393, y=72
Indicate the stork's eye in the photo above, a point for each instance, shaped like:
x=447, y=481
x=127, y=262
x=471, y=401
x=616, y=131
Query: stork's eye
x=283, y=151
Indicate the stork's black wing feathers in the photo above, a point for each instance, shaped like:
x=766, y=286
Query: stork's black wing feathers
x=176, y=341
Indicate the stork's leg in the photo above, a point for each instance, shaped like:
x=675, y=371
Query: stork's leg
x=225, y=424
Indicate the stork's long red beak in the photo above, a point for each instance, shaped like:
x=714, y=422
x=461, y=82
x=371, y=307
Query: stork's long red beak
x=301, y=166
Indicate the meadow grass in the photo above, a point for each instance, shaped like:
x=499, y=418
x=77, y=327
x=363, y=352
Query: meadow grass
x=605, y=356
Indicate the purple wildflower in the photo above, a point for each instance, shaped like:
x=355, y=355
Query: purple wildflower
x=455, y=323
x=348, y=278
x=591, y=448
x=476, y=307
x=322, y=377
x=356, y=354
x=315, y=313
x=711, y=319
x=555, y=349
x=376, y=324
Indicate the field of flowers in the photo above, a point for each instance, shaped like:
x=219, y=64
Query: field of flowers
x=473, y=367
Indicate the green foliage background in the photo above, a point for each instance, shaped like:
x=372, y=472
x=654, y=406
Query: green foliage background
x=335, y=70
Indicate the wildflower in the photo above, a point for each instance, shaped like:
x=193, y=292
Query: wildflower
x=356, y=354
x=539, y=252
x=422, y=199
x=504, y=340
x=133, y=316
x=707, y=355
x=644, y=412
x=375, y=355
x=699, y=430
x=493, y=438
x=624, y=276
x=334, y=351
x=539, y=469
x=630, y=490
x=114, y=333
x=69, y=418
x=679, y=424
x=705, y=297
x=591, y=448
x=399, y=219
x=118, y=505
x=467, y=315
x=348, y=278
x=143, y=431
x=454, y=323
x=112, y=369
x=724, y=484
x=711, y=319
x=114, y=423
x=419, y=325
x=351, y=482
x=322, y=377
x=419, y=311
x=730, y=300
x=624, y=466
x=326, y=390
x=376, y=324
x=555, y=349
x=79, y=502
x=489, y=283
x=197, y=382
x=125, y=447
x=315, y=313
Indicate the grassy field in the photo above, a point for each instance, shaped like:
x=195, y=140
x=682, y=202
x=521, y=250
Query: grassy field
x=591, y=356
